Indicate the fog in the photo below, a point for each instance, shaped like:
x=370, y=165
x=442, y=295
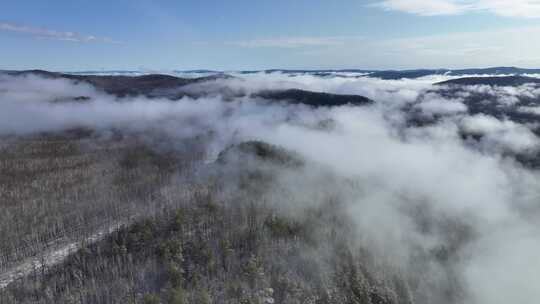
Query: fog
x=478, y=199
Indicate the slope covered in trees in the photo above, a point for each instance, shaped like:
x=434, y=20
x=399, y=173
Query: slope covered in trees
x=243, y=190
x=202, y=243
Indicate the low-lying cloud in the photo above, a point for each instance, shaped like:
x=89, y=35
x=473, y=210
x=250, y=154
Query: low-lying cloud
x=506, y=134
x=397, y=168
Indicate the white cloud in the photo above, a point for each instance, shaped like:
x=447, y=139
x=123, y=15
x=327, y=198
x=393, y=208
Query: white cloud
x=513, y=8
x=423, y=7
x=502, y=134
x=295, y=42
x=438, y=105
x=516, y=46
x=43, y=33
x=512, y=46
x=393, y=167
x=530, y=110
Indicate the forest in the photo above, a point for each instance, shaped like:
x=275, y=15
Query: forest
x=266, y=188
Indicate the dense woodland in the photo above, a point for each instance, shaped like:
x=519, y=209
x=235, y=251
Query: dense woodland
x=181, y=231
x=141, y=215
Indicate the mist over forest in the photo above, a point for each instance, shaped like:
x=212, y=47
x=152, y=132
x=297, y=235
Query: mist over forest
x=330, y=186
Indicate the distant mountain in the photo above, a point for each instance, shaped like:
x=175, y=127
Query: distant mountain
x=316, y=99
x=121, y=85
x=174, y=88
x=198, y=71
x=395, y=75
x=402, y=74
x=316, y=71
x=492, y=81
x=495, y=71
x=490, y=101
x=382, y=74
x=412, y=74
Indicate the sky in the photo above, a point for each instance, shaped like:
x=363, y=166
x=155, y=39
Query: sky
x=83, y=35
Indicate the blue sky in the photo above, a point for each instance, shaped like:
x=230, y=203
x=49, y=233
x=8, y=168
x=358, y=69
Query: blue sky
x=242, y=34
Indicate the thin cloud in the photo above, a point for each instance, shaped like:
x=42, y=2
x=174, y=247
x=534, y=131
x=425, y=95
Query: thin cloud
x=44, y=33
x=423, y=7
x=295, y=42
x=511, y=46
x=506, y=8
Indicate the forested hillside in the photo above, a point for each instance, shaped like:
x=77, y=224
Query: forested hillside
x=266, y=188
x=177, y=241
